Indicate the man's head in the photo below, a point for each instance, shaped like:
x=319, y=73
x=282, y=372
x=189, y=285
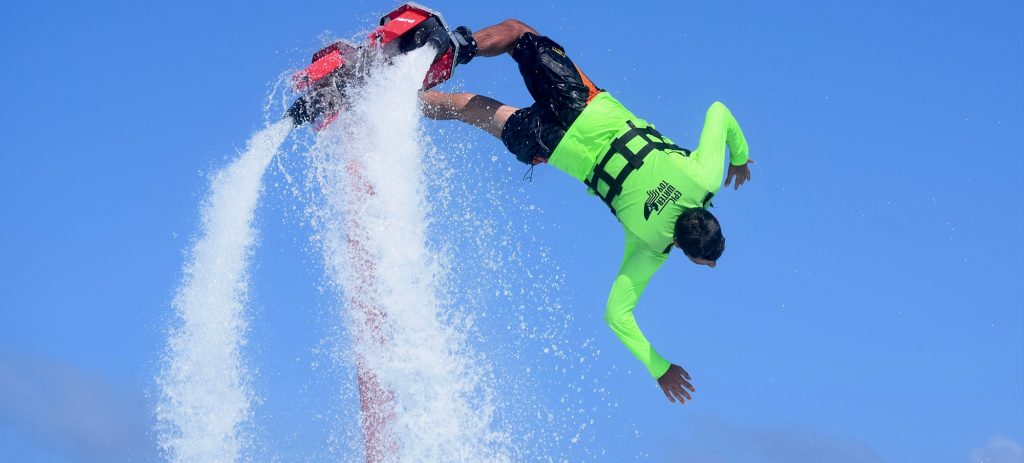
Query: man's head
x=700, y=237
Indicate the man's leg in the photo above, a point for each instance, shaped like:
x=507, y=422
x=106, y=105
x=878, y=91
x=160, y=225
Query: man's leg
x=501, y=37
x=541, y=76
x=480, y=111
x=559, y=89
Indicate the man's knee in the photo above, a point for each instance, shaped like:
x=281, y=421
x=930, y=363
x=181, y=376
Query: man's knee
x=517, y=28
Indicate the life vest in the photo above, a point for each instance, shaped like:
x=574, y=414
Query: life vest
x=625, y=155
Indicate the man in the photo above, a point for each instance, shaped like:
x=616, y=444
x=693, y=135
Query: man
x=657, y=190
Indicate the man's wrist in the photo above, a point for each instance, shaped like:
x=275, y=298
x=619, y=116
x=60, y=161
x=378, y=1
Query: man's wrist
x=740, y=161
x=659, y=368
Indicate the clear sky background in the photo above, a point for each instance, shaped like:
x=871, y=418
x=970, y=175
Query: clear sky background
x=870, y=305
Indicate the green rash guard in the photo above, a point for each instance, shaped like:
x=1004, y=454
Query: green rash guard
x=652, y=197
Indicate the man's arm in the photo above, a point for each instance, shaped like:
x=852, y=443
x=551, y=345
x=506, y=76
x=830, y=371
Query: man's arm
x=721, y=130
x=638, y=266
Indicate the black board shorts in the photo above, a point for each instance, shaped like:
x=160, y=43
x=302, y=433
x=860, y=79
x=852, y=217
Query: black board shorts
x=560, y=92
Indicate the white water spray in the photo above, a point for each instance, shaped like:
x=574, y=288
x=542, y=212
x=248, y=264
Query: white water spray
x=204, y=391
x=374, y=228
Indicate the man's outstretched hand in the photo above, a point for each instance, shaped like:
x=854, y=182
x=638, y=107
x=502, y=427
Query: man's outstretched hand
x=676, y=385
x=740, y=173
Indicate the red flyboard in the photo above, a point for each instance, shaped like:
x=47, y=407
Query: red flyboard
x=325, y=62
x=399, y=22
x=334, y=68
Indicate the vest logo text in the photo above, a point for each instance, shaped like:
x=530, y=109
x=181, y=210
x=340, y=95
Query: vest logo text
x=659, y=197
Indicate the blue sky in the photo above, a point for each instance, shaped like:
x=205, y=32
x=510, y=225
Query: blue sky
x=870, y=305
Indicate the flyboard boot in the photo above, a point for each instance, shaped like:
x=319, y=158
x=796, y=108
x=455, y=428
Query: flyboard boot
x=324, y=84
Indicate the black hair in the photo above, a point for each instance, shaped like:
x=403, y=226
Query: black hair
x=699, y=234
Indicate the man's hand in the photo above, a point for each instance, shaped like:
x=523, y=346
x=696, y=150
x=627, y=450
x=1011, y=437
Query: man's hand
x=740, y=173
x=674, y=383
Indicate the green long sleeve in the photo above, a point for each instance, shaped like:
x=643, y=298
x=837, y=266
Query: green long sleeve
x=638, y=266
x=720, y=130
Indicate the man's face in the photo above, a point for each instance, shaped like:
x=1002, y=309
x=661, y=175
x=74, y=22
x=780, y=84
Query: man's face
x=709, y=263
